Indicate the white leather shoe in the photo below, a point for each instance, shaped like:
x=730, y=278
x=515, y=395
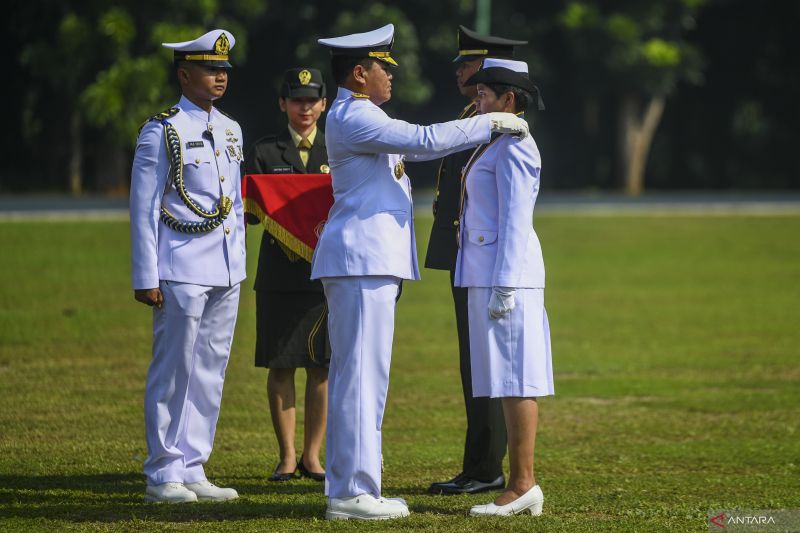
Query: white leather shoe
x=530, y=502
x=365, y=507
x=207, y=491
x=171, y=492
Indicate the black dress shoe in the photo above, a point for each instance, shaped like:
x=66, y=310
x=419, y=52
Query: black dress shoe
x=462, y=484
x=277, y=476
x=305, y=472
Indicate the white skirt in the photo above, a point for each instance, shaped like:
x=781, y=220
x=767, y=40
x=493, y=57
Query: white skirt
x=510, y=356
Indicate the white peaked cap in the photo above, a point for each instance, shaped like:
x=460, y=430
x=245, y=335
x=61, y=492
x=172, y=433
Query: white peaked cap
x=202, y=43
x=381, y=37
x=510, y=64
x=210, y=49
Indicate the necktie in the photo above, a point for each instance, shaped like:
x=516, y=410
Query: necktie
x=303, y=147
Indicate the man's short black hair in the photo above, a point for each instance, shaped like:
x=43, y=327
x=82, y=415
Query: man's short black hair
x=342, y=66
x=522, y=98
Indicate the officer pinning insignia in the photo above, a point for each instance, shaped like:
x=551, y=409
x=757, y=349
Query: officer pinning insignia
x=211, y=49
x=399, y=170
x=375, y=43
x=324, y=169
x=473, y=45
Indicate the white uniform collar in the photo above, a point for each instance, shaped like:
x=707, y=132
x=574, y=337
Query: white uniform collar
x=195, y=111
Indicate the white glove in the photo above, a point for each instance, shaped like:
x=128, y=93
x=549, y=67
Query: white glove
x=508, y=123
x=502, y=301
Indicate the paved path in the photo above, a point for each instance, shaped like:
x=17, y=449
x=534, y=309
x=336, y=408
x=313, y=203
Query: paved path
x=60, y=208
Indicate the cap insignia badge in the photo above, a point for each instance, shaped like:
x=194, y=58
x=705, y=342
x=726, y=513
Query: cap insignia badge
x=222, y=45
x=304, y=76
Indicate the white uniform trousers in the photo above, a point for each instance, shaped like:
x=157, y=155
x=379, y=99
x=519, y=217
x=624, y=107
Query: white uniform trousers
x=510, y=356
x=192, y=334
x=361, y=328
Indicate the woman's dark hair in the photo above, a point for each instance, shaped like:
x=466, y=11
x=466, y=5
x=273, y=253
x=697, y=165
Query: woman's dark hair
x=342, y=66
x=522, y=98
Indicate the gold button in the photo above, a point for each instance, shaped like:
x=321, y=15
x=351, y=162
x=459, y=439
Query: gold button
x=197, y=161
x=455, y=222
x=222, y=178
x=227, y=231
x=217, y=152
x=480, y=239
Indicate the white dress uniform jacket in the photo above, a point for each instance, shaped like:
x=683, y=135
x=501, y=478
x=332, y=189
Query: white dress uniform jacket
x=199, y=276
x=370, y=229
x=509, y=356
x=498, y=245
x=212, y=152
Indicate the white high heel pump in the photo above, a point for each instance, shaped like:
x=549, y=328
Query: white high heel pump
x=530, y=502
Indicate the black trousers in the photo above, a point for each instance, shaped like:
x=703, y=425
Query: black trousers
x=485, y=443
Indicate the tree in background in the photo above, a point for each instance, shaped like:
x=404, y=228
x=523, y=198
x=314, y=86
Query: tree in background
x=637, y=51
x=105, y=66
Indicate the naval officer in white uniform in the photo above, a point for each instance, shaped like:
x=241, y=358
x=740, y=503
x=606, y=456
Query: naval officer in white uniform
x=500, y=262
x=366, y=248
x=188, y=255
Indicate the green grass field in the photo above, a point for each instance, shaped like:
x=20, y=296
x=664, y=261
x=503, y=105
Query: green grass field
x=675, y=348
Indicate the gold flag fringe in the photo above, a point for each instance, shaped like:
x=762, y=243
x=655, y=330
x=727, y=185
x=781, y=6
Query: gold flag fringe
x=279, y=232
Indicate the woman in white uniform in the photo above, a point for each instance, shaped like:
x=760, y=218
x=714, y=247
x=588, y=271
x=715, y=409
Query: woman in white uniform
x=500, y=261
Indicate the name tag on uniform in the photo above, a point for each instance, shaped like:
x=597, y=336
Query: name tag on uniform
x=281, y=170
x=194, y=144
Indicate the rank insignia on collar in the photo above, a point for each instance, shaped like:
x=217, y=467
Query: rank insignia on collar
x=399, y=170
x=325, y=169
x=360, y=95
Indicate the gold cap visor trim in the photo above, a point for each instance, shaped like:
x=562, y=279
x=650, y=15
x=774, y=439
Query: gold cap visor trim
x=205, y=57
x=384, y=56
x=473, y=52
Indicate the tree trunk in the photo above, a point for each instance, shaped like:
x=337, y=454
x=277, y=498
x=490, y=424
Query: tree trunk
x=75, y=154
x=636, y=136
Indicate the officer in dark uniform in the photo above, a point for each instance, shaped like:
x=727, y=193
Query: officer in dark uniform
x=485, y=443
x=291, y=314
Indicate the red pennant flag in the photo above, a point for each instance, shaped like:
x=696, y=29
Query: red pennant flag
x=292, y=207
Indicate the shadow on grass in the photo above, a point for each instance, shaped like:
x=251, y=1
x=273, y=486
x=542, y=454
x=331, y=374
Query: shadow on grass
x=120, y=497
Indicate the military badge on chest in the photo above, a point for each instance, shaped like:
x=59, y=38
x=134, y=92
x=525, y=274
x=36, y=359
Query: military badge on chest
x=235, y=152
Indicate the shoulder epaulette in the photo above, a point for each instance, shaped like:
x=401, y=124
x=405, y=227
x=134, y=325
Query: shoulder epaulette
x=224, y=113
x=267, y=139
x=158, y=117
